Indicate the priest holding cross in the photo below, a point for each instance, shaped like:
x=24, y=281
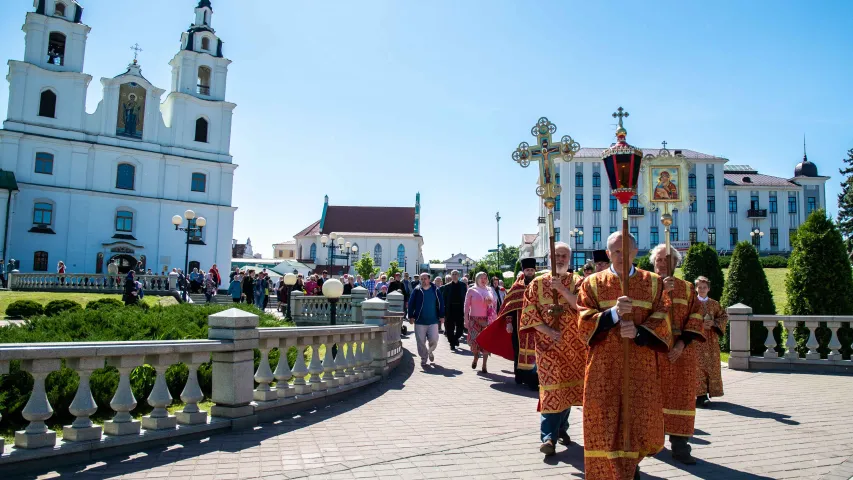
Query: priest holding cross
x=623, y=318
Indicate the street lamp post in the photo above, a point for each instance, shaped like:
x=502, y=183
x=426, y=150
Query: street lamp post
x=333, y=289
x=200, y=222
x=467, y=262
x=756, y=237
x=354, y=250
x=289, y=282
x=333, y=242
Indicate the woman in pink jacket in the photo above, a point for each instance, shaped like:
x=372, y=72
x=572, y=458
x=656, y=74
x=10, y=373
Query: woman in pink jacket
x=480, y=310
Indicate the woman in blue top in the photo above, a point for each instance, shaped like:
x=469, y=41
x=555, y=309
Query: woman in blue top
x=236, y=288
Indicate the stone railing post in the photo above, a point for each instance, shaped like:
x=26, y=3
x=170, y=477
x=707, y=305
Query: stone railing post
x=296, y=306
x=395, y=302
x=373, y=311
x=4, y=370
x=83, y=404
x=359, y=296
x=173, y=281
x=38, y=408
x=233, y=372
x=739, y=318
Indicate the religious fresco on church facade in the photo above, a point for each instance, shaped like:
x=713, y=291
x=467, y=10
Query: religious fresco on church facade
x=131, y=110
x=665, y=183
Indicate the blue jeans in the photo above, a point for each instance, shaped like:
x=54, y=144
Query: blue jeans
x=553, y=424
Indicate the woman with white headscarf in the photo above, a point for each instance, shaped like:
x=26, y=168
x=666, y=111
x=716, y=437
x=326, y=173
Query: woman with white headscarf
x=480, y=310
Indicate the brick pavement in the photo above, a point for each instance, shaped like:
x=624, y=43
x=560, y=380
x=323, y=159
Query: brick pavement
x=449, y=422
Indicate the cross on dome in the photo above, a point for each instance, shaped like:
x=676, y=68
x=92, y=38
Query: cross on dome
x=136, y=51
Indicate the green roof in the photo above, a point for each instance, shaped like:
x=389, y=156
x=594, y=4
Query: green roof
x=7, y=181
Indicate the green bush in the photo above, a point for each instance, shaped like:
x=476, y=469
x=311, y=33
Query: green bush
x=104, y=303
x=774, y=261
x=175, y=322
x=725, y=261
x=819, y=281
x=55, y=307
x=24, y=309
x=644, y=263
x=702, y=260
x=747, y=284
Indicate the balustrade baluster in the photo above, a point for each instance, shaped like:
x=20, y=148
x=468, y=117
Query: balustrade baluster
x=329, y=364
x=812, y=343
x=83, y=404
x=300, y=370
x=192, y=394
x=770, y=343
x=316, y=367
x=264, y=374
x=340, y=362
x=123, y=401
x=38, y=408
x=834, y=343
x=282, y=373
x=791, y=342
x=352, y=361
x=160, y=398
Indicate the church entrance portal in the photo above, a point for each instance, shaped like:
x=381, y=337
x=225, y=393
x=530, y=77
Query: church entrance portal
x=125, y=263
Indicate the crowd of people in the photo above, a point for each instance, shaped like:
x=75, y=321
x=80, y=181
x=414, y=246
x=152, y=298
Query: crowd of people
x=639, y=364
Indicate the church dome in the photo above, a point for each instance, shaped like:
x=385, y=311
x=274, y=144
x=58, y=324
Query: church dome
x=805, y=168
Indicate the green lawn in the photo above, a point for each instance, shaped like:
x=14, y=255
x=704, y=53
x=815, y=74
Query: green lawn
x=776, y=279
x=8, y=297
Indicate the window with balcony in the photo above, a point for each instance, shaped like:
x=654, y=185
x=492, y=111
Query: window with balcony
x=578, y=202
x=792, y=204
x=732, y=203
x=653, y=237
x=634, y=203
x=596, y=203
x=596, y=179
x=204, y=80
x=753, y=202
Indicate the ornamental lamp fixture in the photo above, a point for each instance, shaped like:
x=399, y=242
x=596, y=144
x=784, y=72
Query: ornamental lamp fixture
x=622, y=162
x=290, y=279
x=189, y=214
x=333, y=288
x=324, y=240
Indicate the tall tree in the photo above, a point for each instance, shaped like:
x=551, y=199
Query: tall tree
x=364, y=266
x=747, y=284
x=702, y=260
x=393, y=268
x=845, y=204
x=819, y=281
x=504, y=256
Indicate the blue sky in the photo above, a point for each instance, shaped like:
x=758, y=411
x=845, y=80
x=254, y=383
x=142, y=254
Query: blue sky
x=372, y=101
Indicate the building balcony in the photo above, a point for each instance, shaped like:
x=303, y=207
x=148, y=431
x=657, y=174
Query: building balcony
x=636, y=211
x=756, y=213
x=203, y=89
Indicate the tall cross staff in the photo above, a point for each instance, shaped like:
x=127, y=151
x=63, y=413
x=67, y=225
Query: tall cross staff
x=546, y=153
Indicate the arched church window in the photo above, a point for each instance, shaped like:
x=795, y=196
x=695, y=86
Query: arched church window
x=377, y=255
x=401, y=256
x=205, y=43
x=56, y=49
x=47, y=104
x=313, y=252
x=201, y=130
x=125, y=176
x=59, y=11
x=204, y=80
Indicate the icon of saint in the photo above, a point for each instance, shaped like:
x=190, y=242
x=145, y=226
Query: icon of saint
x=665, y=189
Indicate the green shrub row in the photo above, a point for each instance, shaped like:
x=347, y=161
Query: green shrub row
x=110, y=322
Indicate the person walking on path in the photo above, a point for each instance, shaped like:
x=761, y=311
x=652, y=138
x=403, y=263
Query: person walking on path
x=523, y=343
x=479, y=311
x=210, y=286
x=131, y=292
x=454, y=299
x=709, y=381
x=249, y=287
x=426, y=311
x=408, y=288
x=260, y=290
x=560, y=352
x=677, y=368
x=235, y=288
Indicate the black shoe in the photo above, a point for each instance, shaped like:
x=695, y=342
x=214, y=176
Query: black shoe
x=565, y=439
x=548, y=449
x=637, y=473
x=518, y=380
x=684, y=457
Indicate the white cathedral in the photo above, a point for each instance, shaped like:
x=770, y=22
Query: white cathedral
x=86, y=188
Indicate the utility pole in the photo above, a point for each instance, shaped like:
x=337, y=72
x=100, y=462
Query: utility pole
x=499, y=259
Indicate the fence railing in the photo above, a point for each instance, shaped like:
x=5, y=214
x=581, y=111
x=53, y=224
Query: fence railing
x=365, y=353
x=788, y=355
x=89, y=282
x=309, y=310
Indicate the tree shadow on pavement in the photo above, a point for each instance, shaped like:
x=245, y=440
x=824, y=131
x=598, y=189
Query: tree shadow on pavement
x=750, y=412
x=111, y=465
x=706, y=470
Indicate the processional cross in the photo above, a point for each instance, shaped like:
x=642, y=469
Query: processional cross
x=546, y=153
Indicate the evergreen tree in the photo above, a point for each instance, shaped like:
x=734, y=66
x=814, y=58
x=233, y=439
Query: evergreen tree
x=644, y=263
x=845, y=204
x=747, y=284
x=819, y=280
x=702, y=261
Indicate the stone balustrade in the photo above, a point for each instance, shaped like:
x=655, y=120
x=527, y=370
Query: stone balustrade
x=365, y=353
x=741, y=358
x=89, y=283
x=308, y=310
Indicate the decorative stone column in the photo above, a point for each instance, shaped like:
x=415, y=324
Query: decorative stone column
x=192, y=394
x=83, y=404
x=233, y=372
x=739, y=318
x=282, y=372
x=264, y=373
x=300, y=370
x=38, y=408
x=173, y=281
x=395, y=302
x=315, y=368
x=834, y=344
x=123, y=401
x=329, y=364
x=359, y=295
x=160, y=398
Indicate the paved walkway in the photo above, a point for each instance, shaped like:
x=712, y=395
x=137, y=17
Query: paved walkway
x=450, y=422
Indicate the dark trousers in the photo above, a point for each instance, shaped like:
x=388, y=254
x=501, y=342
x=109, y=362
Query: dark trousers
x=515, y=348
x=453, y=324
x=250, y=298
x=680, y=445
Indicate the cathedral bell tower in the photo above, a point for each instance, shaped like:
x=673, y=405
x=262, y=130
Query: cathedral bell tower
x=199, y=69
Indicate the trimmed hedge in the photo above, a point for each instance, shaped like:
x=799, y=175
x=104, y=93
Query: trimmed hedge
x=747, y=284
x=774, y=261
x=56, y=307
x=24, y=309
x=104, y=303
x=702, y=261
x=644, y=263
x=111, y=323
